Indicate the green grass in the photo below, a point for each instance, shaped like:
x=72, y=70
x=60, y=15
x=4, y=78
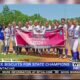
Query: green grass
x=16, y=57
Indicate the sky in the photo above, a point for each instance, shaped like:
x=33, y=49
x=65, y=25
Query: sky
x=49, y=11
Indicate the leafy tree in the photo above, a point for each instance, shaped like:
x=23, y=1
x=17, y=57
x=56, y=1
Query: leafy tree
x=6, y=10
x=8, y=16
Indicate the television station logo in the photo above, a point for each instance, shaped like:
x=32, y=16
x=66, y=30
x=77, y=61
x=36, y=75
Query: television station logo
x=76, y=65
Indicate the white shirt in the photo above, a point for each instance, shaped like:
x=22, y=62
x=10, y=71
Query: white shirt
x=70, y=31
x=16, y=26
x=48, y=27
x=57, y=27
x=53, y=27
x=38, y=30
x=7, y=33
x=76, y=32
x=29, y=28
x=13, y=30
x=64, y=27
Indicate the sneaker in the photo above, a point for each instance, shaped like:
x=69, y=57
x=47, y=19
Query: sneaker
x=60, y=57
x=26, y=53
x=65, y=56
x=71, y=59
x=2, y=53
x=13, y=52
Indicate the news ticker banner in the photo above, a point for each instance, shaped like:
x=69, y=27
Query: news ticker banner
x=40, y=65
x=38, y=72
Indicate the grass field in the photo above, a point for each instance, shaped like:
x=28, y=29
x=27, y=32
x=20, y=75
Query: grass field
x=32, y=58
x=15, y=57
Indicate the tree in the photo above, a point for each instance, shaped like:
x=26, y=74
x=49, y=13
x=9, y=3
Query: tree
x=8, y=16
x=6, y=10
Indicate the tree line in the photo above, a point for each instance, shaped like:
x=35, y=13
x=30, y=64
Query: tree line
x=8, y=16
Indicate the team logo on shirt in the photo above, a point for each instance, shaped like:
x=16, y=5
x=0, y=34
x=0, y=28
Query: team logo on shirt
x=61, y=32
x=70, y=32
x=76, y=32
